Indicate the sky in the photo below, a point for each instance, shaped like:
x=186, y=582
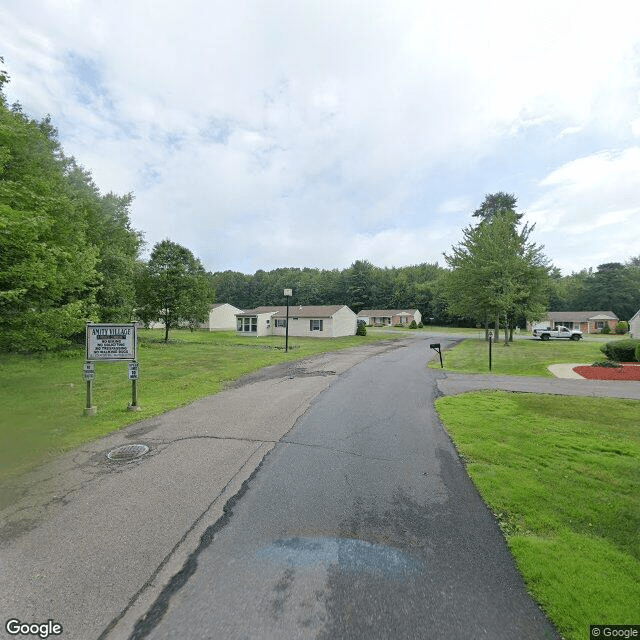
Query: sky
x=313, y=133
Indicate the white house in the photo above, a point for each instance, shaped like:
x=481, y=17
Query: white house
x=222, y=316
x=320, y=321
x=390, y=316
x=634, y=325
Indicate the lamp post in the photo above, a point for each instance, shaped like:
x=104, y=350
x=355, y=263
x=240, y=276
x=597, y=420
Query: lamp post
x=490, y=341
x=287, y=294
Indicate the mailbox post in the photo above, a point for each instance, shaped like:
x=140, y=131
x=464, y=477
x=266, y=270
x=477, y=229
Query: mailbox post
x=436, y=347
x=490, y=341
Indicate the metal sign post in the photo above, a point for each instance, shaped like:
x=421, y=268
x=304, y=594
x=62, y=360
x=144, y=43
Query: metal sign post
x=287, y=294
x=88, y=375
x=490, y=341
x=133, y=376
x=436, y=347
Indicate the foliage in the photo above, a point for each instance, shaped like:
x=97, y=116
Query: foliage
x=496, y=271
x=610, y=364
x=622, y=327
x=173, y=288
x=638, y=352
x=621, y=350
x=606, y=329
x=66, y=252
x=361, y=330
x=496, y=203
x=577, y=541
x=413, y=325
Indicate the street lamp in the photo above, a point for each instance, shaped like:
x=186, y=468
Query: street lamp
x=287, y=294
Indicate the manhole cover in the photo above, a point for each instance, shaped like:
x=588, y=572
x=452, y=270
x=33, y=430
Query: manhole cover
x=128, y=452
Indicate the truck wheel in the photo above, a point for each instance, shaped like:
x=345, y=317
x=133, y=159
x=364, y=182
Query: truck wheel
x=575, y=336
x=544, y=336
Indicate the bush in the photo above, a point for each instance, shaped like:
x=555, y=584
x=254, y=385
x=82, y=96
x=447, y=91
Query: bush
x=413, y=325
x=621, y=350
x=361, y=330
x=611, y=364
x=420, y=325
x=622, y=327
x=606, y=329
x=638, y=352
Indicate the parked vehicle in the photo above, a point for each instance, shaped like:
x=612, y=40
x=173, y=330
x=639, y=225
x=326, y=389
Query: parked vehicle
x=546, y=333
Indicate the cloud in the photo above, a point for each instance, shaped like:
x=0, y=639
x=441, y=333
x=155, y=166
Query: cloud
x=589, y=209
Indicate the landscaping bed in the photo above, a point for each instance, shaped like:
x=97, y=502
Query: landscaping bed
x=628, y=371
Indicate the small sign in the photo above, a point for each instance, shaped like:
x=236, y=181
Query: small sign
x=89, y=366
x=133, y=371
x=111, y=342
x=88, y=375
x=288, y=292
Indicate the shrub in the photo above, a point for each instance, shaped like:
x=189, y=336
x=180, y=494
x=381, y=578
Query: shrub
x=621, y=350
x=420, y=325
x=638, y=352
x=606, y=329
x=361, y=330
x=622, y=327
x=611, y=364
x=413, y=325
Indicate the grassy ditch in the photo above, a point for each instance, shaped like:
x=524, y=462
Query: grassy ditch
x=42, y=400
x=562, y=475
x=522, y=357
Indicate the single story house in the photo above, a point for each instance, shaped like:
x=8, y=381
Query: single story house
x=316, y=321
x=222, y=316
x=634, y=325
x=585, y=321
x=391, y=317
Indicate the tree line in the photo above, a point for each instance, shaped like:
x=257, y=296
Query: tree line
x=69, y=254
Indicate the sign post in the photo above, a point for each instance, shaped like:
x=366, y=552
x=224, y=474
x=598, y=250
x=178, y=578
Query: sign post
x=111, y=343
x=490, y=341
x=287, y=294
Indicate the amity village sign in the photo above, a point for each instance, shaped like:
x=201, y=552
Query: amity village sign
x=111, y=343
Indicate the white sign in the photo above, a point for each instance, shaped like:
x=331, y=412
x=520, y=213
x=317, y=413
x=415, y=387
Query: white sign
x=288, y=292
x=107, y=342
x=133, y=371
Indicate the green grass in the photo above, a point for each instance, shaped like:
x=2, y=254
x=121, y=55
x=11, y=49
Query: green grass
x=520, y=358
x=562, y=475
x=42, y=400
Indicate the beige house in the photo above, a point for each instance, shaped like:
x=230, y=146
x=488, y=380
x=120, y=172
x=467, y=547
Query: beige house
x=222, y=316
x=393, y=317
x=322, y=321
x=585, y=321
x=634, y=325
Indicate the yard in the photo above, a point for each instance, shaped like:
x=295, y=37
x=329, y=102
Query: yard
x=562, y=476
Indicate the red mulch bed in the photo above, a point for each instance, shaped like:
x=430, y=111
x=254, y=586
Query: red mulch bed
x=626, y=372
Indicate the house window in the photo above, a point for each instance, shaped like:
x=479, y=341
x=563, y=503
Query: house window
x=315, y=325
x=248, y=325
x=599, y=324
x=281, y=323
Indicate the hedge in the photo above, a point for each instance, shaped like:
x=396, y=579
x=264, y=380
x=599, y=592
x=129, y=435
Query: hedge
x=622, y=350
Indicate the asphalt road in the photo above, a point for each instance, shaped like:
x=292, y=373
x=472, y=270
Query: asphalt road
x=361, y=522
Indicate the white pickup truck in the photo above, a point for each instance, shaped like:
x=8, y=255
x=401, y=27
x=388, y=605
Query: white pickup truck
x=545, y=333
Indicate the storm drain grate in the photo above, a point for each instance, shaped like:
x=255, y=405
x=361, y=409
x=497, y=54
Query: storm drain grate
x=128, y=452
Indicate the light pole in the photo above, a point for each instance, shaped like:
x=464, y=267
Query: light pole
x=287, y=294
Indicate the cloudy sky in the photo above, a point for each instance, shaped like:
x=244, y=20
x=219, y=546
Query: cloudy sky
x=317, y=132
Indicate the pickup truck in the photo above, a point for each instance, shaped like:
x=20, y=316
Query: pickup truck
x=558, y=332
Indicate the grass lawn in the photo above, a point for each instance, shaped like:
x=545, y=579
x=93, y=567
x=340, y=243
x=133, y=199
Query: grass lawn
x=42, y=400
x=562, y=475
x=521, y=357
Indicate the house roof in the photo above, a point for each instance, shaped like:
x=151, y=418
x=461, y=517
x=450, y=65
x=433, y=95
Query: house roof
x=222, y=304
x=298, y=311
x=581, y=316
x=385, y=313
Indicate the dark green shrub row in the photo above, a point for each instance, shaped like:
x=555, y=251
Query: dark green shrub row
x=621, y=350
x=611, y=364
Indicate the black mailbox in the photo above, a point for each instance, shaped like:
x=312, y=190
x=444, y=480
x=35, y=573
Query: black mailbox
x=435, y=345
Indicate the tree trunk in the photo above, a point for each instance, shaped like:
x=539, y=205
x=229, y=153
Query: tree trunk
x=166, y=328
x=486, y=328
x=506, y=332
x=496, y=336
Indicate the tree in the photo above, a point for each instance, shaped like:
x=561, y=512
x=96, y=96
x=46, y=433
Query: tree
x=496, y=272
x=173, y=288
x=495, y=203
